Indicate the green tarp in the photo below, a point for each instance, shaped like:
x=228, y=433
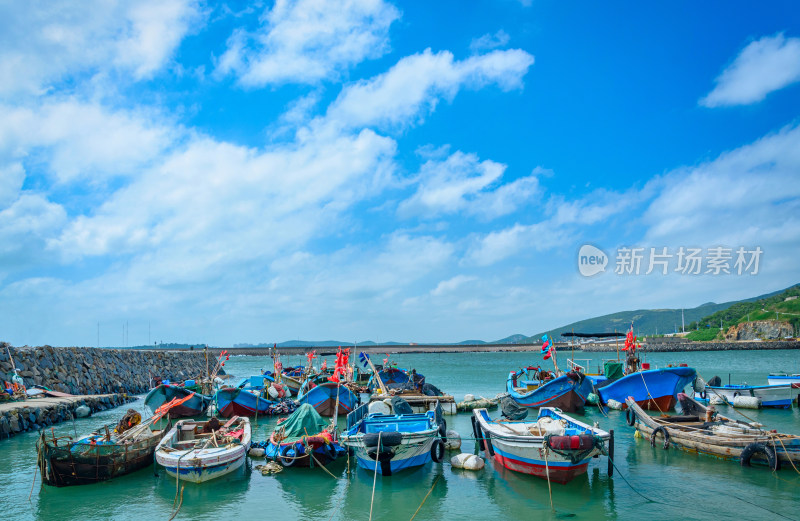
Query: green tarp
x=305, y=420
x=613, y=370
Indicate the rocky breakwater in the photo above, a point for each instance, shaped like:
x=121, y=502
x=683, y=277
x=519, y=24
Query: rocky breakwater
x=86, y=370
x=40, y=413
x=666, y=347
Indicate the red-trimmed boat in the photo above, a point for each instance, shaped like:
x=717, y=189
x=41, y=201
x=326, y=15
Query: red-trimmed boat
x=554, y=446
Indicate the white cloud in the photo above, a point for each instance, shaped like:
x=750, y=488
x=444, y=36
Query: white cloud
x=764, y=66
x=42, y=46
x=24, y=227
x=308, y=41
x=463, y=183
x=450, y=285
x=82, y=140
x=413, y=86
x=11, y=178
x=490, y=41
x=748, y=191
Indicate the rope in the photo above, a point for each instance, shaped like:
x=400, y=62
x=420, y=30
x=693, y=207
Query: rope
x=426, y=497
x=322, y=466
x=375, y=480
x=179, y=506
x=547, y=473
x=652, y=399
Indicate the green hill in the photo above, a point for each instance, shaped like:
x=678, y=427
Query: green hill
x=653, y=321
x=768, y=307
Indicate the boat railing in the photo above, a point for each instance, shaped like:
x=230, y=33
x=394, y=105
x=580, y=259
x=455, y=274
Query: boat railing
x=357, y=415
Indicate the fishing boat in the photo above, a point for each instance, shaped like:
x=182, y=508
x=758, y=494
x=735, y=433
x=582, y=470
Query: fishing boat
x=324, y=396
x=232, y=401
x=200, y=451
x=652, y=389
x=111, y=451
x=194, y=406
x=387, y=444
x=532, y=387
x=392, y=377
x=554, y=446
x=779, y=396
x=783, y=378
x=292, y=378
x=700, y=429
x=303, y=439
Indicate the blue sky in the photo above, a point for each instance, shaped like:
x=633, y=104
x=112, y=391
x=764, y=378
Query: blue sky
x=257, y=172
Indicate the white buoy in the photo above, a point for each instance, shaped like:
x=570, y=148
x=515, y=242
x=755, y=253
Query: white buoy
x=469, y=397
x=82, y=411
x=747, y=402
x=273, y=393
x=613, y=404
x=453, y=440
x=256, y=452
x=379, y=408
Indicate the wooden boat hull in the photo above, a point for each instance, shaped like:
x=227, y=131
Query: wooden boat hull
x=565, y=392
x=653, y=389
x=515, y=447
x=323, y=397
x=81, y=464
x=692, y=437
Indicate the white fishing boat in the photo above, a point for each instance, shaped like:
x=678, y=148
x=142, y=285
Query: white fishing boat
x=780, y=396
x=553, y=446
x=783, y=378
x=200, y=451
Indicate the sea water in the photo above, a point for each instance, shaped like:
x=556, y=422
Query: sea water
x=650, y=483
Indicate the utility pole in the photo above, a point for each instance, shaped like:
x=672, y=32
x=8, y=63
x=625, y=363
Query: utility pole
x=683, y=324
x=98, y=335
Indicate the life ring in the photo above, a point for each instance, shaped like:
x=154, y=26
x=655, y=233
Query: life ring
x=760, y=448
x=630, y=417
x=663, y=431
x=284, y=458
x=437, y=451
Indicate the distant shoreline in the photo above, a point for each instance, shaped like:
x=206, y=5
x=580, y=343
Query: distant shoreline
x=515, y=348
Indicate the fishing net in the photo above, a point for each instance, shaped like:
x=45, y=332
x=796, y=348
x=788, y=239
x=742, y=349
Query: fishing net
x=400, y=406
x=512, y=410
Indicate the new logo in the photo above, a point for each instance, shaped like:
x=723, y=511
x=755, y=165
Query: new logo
x=591, y=260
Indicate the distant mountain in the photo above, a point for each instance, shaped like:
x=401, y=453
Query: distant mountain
x=513, y=339
x=645, y=321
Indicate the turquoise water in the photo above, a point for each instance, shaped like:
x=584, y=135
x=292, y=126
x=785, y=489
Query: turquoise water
x=675, y=485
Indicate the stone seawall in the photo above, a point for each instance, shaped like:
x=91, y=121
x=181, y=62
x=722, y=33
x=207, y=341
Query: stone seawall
x=86, y=370
x=39, y=413
x=704, y=346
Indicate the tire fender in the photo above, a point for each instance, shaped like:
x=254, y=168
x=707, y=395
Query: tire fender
x=760, y=448
x=664, y=432
x=437, y=450
x=630, y=417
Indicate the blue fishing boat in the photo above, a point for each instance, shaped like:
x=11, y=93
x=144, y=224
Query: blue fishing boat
x=651, y=389
x=303, y=438
x=194, y=406
x=232, y=401
x=389, y=443
x=324, y=396
x=394, y=377
x=531, y=388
